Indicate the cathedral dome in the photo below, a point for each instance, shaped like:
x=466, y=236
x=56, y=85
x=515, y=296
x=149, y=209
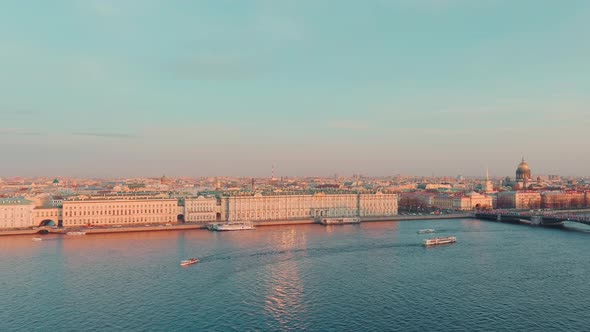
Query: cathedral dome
x=523, y=172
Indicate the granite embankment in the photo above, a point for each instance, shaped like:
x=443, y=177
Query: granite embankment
x=151, y=228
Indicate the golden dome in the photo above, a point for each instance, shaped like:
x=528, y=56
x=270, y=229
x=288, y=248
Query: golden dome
x=523, y=171
x=523, y=165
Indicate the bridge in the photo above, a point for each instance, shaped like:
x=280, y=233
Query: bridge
x=536, y=218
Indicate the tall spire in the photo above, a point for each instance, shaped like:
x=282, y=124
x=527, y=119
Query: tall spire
x=488, y=186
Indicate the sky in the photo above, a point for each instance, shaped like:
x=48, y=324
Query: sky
x=226, y=87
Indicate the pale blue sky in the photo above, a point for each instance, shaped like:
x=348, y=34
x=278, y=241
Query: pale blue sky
x=228, y=87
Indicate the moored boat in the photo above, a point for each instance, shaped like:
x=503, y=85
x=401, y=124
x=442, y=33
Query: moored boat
x=440, y=240
x=233, y=226
x=76, y=233
x=189, y=261
x=340, y=221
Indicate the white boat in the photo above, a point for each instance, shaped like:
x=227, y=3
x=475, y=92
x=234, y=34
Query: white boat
x=426, y=231
x=440, y=240
x=232, y=226
x=76, y=233
x=189, y=261
x=37, y=239
x=340, y=221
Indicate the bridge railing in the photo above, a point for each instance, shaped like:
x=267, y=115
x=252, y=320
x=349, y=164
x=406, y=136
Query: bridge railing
x=545, y=214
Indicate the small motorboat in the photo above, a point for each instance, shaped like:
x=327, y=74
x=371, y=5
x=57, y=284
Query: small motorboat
x=189, y=261
x=37, y=239
x=426, y=231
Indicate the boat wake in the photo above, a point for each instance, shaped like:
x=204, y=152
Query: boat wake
x=306, y=252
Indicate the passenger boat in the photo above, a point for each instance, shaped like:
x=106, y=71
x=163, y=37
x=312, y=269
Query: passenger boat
x=189, y=261
x=426, y=231
x=232, y=226
x=440, y=240
x=37, y=239
x=76, y=233
x=340, y=221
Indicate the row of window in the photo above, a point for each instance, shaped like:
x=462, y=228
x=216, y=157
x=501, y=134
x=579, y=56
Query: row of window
x=16, y=208
x=127, y=206
x=12, y=216
x=203, y=209
x=200, y=204
x=114, y=212
x=12, y=224
x=121, y=220
x=46, y=214
x=201, y=217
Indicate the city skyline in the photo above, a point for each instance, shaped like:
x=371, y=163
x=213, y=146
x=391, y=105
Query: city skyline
x=97, y=89
x=272, y=174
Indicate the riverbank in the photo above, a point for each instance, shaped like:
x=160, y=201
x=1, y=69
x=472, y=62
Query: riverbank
x=154, y=228
x=368, y=219
x=422, y=217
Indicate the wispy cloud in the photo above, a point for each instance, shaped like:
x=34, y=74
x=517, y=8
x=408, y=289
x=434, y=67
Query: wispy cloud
x=214, y=67
x=105, y=8
x=16, y=114
x=275, y=25
x=350, y=125
x=21, y=132
x=104, y=135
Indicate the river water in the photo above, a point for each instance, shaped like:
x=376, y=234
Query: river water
x=368, y=277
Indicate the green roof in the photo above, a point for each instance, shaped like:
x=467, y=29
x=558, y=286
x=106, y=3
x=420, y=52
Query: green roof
x=14, y=201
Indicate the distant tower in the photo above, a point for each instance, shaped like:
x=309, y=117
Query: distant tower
x=218, y=184
x=488, y=187
x=253, y=185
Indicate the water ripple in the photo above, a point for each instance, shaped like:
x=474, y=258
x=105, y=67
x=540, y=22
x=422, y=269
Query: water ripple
x=373, y=277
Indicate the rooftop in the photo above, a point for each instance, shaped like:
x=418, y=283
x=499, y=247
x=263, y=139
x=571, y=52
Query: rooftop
x=14, y=201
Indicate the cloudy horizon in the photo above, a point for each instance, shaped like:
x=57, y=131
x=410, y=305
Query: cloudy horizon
x=143, y=88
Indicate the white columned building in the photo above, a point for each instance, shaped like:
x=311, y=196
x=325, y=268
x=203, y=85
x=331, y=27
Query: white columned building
x=16, y=212
x=119, y=210
x=286, y=206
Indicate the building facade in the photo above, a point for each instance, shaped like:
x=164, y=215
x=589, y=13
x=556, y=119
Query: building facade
x=201, y=209
x=479, y=201
x=523, y=200
x=47, y=216
x=377, y=205
x=119, y=210
x=457, y=202
x=16, y=212
x=452, y=202
x=563, y=200
x=122, y=210
x=285, y=206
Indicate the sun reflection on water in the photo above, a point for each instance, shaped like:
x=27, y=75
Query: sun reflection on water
x=284, y=287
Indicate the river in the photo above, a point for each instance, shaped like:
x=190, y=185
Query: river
x=368, y=277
